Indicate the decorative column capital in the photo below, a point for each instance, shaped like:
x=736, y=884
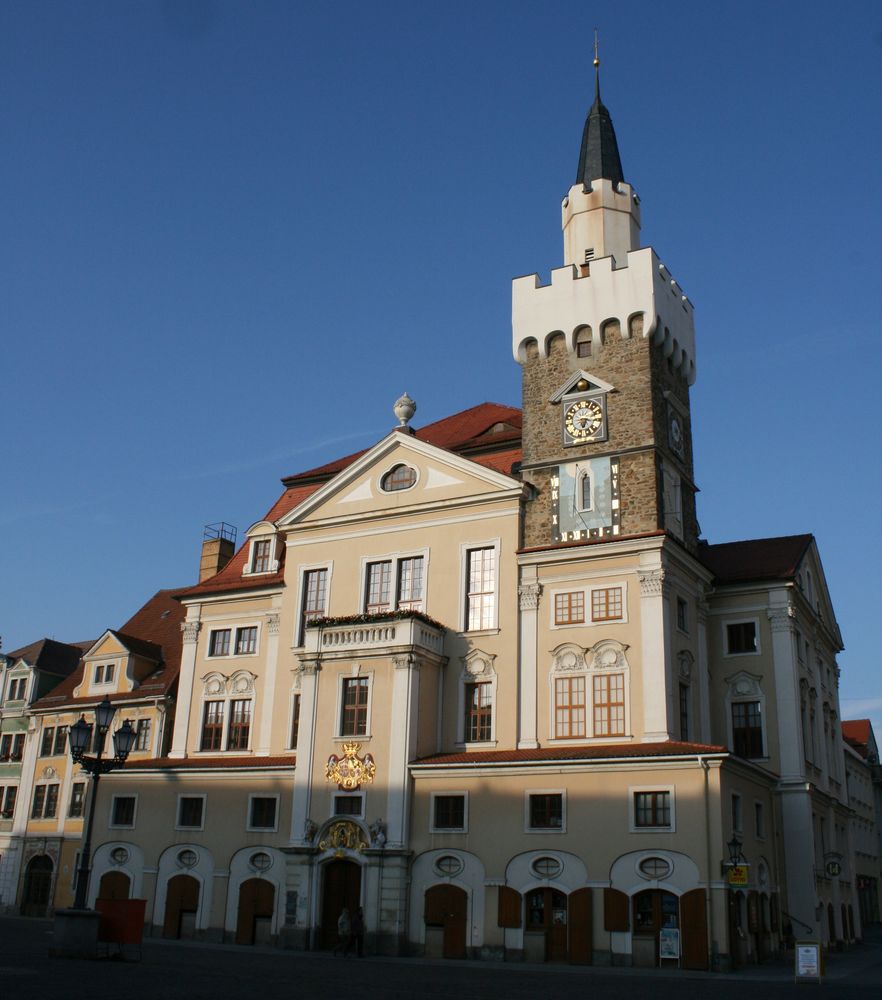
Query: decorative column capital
x=782, y=619
x=652, y=583
x=272, y=623
x=309, y=666
x=407, y=661
x=190, y=631
x=528, y=595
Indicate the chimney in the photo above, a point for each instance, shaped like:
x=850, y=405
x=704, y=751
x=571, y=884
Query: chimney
x=218, y=546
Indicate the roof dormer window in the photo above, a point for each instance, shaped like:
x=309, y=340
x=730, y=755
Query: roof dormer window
x=263, y=555
x=104, y=673
x=260, y=560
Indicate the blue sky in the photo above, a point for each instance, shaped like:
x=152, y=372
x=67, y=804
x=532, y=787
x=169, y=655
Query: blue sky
x=234, y=233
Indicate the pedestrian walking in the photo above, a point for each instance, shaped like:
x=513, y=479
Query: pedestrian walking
x=358, y=932
x=344, y=929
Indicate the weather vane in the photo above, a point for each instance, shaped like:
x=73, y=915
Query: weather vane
x=596, y=47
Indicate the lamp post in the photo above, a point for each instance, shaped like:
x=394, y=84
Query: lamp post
x=80, y=736
x=734, y=846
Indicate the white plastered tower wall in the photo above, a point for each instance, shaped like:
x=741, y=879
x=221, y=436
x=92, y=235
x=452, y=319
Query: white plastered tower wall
x=603, y=221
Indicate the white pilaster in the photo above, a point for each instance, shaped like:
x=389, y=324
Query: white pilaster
x=302, y=827
x=656, y=641
x=787, y=699
x=402, y=745
x=271, y=631
x=704, y=733
x=529, y=592
x=190, y=629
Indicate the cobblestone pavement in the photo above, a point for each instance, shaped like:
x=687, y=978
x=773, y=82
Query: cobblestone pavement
x=176, y=970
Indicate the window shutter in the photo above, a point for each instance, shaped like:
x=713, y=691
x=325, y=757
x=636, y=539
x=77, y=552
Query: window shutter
x=615, y=910
x=753, y=911
x=509, y=912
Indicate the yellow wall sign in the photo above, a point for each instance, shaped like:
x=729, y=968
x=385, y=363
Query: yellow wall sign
x=738, y=875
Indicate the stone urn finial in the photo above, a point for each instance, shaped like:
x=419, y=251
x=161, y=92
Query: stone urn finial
x=404, y=409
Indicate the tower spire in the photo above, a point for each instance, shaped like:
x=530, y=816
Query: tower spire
x=599, y=155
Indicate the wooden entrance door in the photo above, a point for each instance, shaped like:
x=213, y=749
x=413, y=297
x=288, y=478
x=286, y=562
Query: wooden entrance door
x=181, y=904
x=257, y=899
x=37, y=886
x=693, y=914
x=581, y=933
x=342, y=887
x=655, y=910
x=114, y=885
x=447, y=907
x=547, y=910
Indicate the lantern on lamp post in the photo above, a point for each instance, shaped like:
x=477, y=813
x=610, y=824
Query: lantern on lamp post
x=81, y=736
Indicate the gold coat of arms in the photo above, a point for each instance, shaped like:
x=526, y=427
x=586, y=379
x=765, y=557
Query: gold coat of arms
x=349, y=771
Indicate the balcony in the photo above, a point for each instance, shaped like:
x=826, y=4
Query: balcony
x=380, y=634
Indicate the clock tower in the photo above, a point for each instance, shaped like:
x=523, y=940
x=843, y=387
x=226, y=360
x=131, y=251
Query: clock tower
x=607, y=351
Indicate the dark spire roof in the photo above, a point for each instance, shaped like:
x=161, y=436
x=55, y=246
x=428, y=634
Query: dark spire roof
x=599, y=155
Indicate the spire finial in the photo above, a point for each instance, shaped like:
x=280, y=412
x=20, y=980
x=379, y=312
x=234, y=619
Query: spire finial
x=596, y=67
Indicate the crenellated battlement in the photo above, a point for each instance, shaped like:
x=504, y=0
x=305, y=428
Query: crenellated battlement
x=643, y=288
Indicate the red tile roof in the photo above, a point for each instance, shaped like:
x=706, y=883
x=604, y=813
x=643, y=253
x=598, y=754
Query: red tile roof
x=559, y=754
x=51, y=656
x=155, y=627
x=215, y=763
x=858, y=733
x=755, y=558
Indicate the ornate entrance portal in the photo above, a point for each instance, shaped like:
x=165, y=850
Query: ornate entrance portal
x=341, y=886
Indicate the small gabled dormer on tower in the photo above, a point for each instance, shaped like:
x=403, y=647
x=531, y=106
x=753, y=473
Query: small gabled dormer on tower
x=614, y=316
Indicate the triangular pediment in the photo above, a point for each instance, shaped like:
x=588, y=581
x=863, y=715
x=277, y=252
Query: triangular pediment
x=106, y=645
x=812, y=583
x=426, y=476
x=570, y=387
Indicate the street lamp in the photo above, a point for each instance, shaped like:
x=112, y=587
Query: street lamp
x=734, y=846
x=80, y=736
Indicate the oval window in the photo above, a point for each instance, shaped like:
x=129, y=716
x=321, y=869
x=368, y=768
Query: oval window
x=187, y=858
x=546, y=867
x=654, y=867
x=119, y=855
x=260, y=861
x=400, y=477
x=448, y=865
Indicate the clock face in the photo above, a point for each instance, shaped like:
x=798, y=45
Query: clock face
x=675, y=435
x=583, y=419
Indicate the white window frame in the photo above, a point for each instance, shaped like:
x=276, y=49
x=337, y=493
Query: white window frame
x=465, y=812
x=464, y=549
x=21, y=682
x=58, y=805
x=586, y=618
x=751, y=691
x=633, y=790
x=4, y=791
x=589, y=603
x=121, y=826
x=395, y=558
x=471, y=674
x=302, y=571
x=741, y=621
x=583, y=473
x=351, y=796
x=681, y=601
x=625, y=671
x=355, y=674
x=262, y=829
x=189, y=795
x=150, y=734
x=586, y=676
x=234, y=631
x=85, y=784
x=552, y=830
x=104, y=682
x=249, y=569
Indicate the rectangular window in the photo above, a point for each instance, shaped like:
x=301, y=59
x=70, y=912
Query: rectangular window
x=682, y=615
x=652, y=809
x=546, y=811
x=569, y=609
x=38, y=802
x=7, y=801
x=759, y=820
x=219, y=642
x=315, y=596
x=190, y=812
x=481, y=589
x=18, y=747
x=212, y=726
x=77, y=800
x=684, y=713
x=261, y=561
x=348, y=805
x=5, y=747
x=606, y=604
x=142, y=740
x=410, y=583
x=609, y=705
x=448, y=812
x=353, y=718
x=569, y=707
x=51, y=801
x=478, y=713
x=122, y=811
x=246, y=640
x=747, y=729
x=262, y=812
x=16, y=689
x=295, y=721
x=240, y=724
x=47, y=742
x=60, y=740
x=741, y=637
x=379, y=585
x=736, y=812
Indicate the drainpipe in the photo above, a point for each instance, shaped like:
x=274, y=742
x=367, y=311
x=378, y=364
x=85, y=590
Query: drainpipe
x=707, y=847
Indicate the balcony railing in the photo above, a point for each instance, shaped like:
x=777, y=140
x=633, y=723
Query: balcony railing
x=374, y=633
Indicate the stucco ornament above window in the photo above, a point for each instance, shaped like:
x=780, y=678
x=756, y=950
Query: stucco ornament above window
x=349, y=771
